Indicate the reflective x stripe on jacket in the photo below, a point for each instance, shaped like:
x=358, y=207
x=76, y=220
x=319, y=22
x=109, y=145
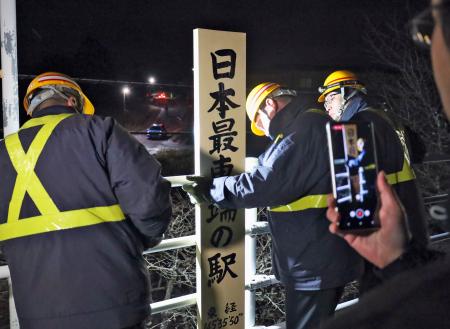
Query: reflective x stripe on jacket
x=51, y=218
x=320, y=200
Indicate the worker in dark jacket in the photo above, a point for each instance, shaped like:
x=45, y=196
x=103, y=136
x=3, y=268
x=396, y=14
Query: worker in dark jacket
x=344, y=97
x=292, y=178
x=80, y=200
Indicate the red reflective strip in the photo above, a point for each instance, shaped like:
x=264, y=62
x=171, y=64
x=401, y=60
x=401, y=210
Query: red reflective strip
x=339, y=79
x=57, y=78
x=263, y=89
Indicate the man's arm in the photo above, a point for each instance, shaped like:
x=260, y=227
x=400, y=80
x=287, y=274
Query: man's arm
x=267, y=184
x=135, y=176
x=276, y=180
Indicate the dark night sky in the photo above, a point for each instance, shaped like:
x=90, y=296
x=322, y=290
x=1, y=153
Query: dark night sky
x=130, y=40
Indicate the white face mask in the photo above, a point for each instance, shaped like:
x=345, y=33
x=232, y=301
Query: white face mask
x=263, y=122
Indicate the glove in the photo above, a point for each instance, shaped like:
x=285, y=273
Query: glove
x=198, y=191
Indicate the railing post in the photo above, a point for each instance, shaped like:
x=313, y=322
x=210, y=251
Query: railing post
x=10, y=86
x=13, y=319
x=251, y=216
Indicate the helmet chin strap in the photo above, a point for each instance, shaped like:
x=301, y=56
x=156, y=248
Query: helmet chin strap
x=340, y=113
x=345, y=100
x=39, y=99
x=341, y=109
x=47, y=93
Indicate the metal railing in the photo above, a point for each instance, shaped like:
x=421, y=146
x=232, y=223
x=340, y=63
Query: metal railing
x=257, y=282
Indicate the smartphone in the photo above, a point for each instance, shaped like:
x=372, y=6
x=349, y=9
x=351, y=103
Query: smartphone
x=353, y=165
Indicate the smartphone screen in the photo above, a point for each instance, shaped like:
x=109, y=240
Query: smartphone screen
x=353, y=165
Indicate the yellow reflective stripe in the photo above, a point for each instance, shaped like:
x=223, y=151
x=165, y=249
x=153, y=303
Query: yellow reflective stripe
x=307, y=202
x=278, y=138
x=371, y=166
x=60, y=221
x=320, y=200
x=322, y=112
x=406, y=174
x=40, y=121
x=26, y=180
x=24, y=164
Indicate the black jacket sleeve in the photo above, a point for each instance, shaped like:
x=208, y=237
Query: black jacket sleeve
x=414, y=256
x=135, y=176
x=266, y=185
x=289, y=169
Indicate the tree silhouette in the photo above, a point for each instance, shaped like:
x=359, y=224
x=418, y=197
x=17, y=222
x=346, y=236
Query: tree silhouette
x=407, y=88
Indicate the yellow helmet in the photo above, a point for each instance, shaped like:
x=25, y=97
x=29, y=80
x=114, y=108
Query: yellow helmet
x=338, y=79
x=254, y=101
x=56, y=81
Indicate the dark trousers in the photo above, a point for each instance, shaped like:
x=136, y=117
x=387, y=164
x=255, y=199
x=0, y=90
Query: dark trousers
x=309, y=309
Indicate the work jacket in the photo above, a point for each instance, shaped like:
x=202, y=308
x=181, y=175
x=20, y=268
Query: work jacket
x=393, y=155
x=292, y=178
x=80, y=199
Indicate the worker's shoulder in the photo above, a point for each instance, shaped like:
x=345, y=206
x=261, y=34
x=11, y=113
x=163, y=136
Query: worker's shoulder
x=94, y=118
x=94, y=121
x=98, y=127
x=310, y=124
x=313, y=119
x=376, y=114
x=315, y=115
x=381, y=119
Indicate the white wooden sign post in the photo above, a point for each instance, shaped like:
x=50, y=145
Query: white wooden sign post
x=219, y=123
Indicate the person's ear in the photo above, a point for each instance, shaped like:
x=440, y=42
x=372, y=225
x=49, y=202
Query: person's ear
x=72, y=102
x=271, y=107
x=270, y=102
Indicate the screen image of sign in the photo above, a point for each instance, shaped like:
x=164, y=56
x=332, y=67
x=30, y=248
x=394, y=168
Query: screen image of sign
x=354, y=171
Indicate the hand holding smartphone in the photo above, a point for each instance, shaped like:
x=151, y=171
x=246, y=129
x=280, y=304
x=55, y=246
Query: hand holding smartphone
x=353, y=165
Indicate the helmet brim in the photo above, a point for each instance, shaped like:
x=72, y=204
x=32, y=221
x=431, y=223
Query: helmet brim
x=88, y=108
x=256, y=131
x=321, y=98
